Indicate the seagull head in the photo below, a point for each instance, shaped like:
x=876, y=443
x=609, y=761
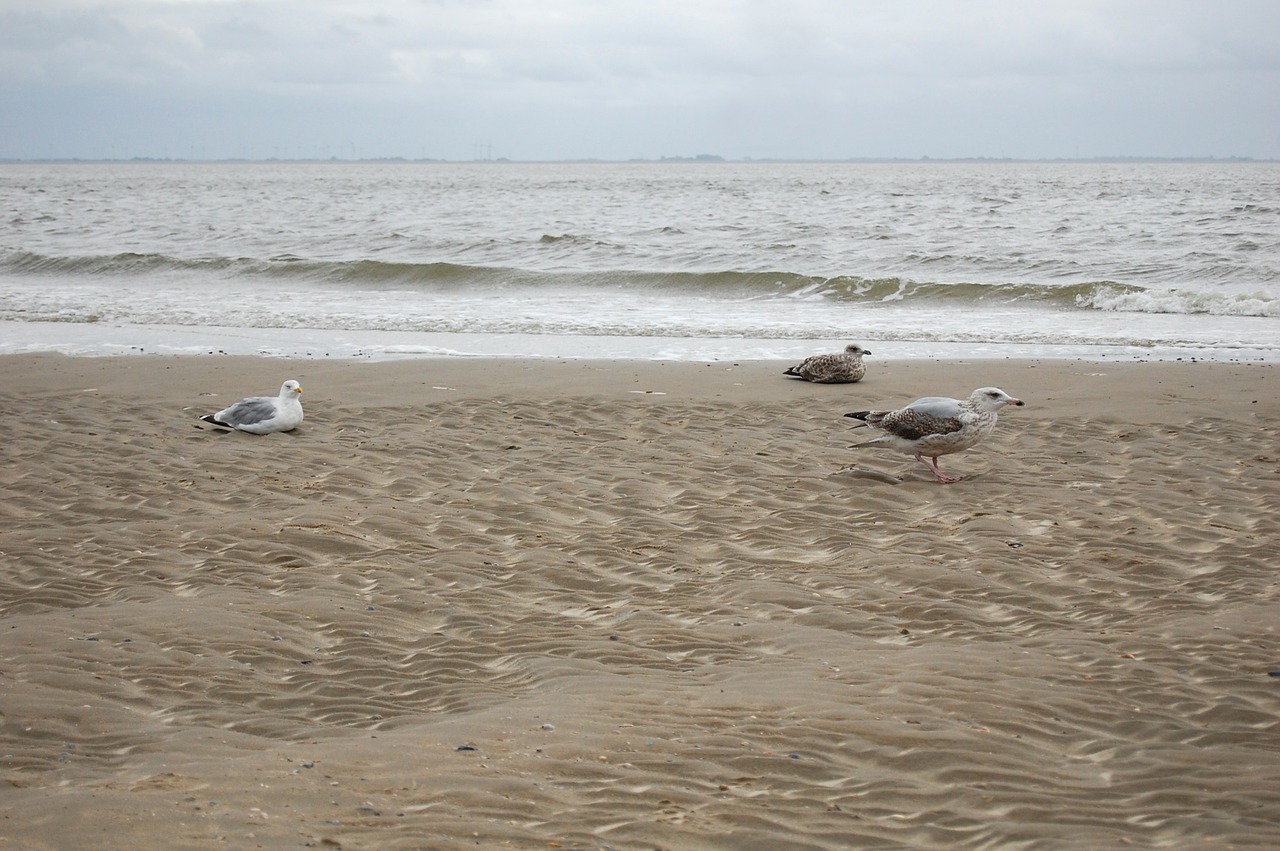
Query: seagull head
x=991, y=399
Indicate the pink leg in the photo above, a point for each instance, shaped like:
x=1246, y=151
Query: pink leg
x=932, y=464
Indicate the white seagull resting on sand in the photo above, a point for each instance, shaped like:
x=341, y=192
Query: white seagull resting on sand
x=842, y=368
x=263, y=414
x=936, y=425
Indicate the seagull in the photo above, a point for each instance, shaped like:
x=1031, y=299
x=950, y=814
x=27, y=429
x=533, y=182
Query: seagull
x=263, y=414
x=937, y=425
x=841, y=368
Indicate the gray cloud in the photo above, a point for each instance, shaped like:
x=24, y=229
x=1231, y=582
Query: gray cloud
x=576, y=78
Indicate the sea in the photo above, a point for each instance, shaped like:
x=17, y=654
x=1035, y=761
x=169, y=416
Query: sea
x=673, y=260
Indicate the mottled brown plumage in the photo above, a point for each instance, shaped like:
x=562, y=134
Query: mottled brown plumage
x=936, y=425
x=841, y=368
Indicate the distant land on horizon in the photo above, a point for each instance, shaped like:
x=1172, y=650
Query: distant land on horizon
x=699, y=158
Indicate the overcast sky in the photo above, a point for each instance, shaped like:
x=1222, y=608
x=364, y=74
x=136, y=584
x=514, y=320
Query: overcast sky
x=624, y=79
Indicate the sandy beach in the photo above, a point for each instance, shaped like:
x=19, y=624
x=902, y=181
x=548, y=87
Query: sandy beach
x=592, y=604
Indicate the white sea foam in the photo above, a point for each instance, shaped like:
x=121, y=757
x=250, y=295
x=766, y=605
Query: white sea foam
x=1183, y=301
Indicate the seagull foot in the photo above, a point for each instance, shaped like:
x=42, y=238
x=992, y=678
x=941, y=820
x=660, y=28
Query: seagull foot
x=932, y=464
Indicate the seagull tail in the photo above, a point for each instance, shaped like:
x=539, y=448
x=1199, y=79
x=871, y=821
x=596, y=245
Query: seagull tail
x=860, y=415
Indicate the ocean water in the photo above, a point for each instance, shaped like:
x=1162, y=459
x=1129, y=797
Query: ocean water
x=683, y=261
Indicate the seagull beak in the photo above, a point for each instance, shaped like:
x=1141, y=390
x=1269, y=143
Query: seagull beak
x=299, y=390
x=1017, y=403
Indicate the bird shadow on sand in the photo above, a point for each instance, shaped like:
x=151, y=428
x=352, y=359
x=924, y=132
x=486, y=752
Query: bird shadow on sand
x=863, y=473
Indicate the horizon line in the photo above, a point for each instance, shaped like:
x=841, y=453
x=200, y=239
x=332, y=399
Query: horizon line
x=698, y=159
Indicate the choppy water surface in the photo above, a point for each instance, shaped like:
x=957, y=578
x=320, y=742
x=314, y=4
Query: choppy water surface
x=740, y=260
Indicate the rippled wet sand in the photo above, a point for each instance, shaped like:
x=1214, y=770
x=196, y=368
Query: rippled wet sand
x=544, y=604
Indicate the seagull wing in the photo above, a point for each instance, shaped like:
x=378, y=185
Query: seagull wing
x=912, y=423
x=251, y=411
x=936, y=406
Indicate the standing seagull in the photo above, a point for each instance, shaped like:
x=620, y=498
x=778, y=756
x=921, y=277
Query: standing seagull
x=263, y=414
x=842, y=368
x=936, y=425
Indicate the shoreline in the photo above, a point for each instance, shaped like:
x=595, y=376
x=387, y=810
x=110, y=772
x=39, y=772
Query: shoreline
x=587, y=603
x=1051, y=386
x=122, y=340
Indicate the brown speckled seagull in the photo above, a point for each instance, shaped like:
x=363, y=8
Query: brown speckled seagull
x=936, y=425
x=841, y=368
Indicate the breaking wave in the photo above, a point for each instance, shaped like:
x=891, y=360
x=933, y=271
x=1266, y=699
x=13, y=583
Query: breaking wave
x=373, y=275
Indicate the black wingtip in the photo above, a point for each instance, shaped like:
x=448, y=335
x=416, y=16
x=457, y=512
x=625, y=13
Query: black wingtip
x=859, y=415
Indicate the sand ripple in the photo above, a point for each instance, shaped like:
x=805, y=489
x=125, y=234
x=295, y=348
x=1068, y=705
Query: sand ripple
x=678, y=624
